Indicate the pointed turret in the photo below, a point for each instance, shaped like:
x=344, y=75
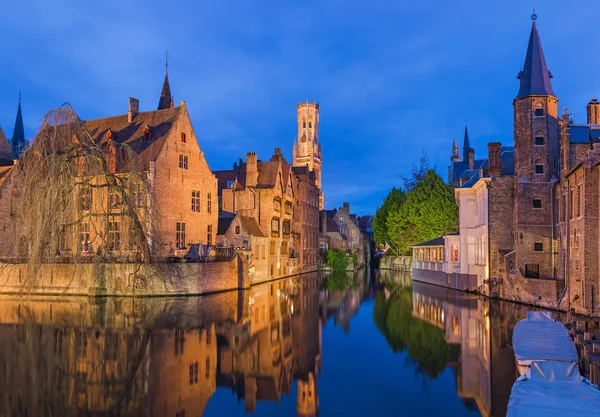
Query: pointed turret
x=466, y=146
x=166, y=99
x=18, y=138
x=6, y=153
x=535, y=77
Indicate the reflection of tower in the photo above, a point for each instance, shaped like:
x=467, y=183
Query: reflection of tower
x=307, y=149
x=308, y=400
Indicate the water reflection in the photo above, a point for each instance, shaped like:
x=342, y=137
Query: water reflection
x=172, y=357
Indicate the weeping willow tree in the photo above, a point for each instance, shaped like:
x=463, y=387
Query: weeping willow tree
x=81, y=198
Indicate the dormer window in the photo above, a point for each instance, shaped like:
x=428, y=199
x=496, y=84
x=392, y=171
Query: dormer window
x=146, y=132
x=183, y=137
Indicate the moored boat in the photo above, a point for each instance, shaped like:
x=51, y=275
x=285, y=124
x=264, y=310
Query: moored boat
x=553, y=389
x=540, y=338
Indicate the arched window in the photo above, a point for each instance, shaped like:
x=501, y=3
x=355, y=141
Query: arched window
x=237, y=230
x=539, y=110
x=310, y=123
x=454, y=253
x=304, y=123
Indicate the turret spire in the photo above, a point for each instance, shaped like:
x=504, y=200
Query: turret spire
x=466, y=145
x=166, y=99
x=535, y=77
x=17, y=141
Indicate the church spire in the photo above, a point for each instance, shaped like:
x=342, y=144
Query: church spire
x=466, y=146
x=166, y=99
x=535, y=77
x=18, y=138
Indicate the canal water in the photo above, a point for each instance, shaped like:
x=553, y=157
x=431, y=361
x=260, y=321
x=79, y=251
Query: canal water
x=364, y=344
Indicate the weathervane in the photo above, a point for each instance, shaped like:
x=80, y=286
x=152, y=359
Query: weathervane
x=534, y=16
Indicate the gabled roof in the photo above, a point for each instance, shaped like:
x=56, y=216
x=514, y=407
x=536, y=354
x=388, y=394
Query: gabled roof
x=267, y=174
x=251, y=226
x=6, y=153
x=159, y=123
x=458, y=168
x=223, y=225
x=535, y=77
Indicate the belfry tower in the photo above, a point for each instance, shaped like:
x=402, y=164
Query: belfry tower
x=307, y=149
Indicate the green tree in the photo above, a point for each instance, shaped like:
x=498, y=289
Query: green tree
x=338, y=261
x=392, y=203
x=429, y=211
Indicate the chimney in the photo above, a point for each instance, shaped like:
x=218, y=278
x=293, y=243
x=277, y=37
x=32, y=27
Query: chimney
x=251, y=169
x=134, y=109
x=347, y=207
x=323, y=222
x=593, y=112
x=277, y=156
x=494, y=159
x=471, y=158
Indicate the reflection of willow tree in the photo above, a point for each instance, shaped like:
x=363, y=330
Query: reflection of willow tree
x=424, y=343
x=56, y=370
x=69, y=187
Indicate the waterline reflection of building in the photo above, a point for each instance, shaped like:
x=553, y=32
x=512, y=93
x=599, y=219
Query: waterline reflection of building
x=158, y=357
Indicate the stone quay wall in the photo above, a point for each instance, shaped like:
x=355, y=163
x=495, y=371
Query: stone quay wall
x=397, y=263
x=125, y=279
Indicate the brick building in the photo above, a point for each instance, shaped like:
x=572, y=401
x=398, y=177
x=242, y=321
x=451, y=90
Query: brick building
x=177, y=206
x=529, y=223
x=307, y=152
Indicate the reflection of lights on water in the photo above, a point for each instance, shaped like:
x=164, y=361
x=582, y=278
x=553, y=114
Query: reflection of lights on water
x=292, y=308
x=442, y=315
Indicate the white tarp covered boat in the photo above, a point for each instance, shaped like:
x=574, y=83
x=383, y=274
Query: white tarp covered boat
x=540, y=338
x=553, y=389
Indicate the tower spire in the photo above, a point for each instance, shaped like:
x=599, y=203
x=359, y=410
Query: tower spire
x=166, y=99
x=17, y=141
x=535, y=77
x=466, y=145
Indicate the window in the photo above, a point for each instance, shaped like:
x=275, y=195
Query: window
x=272, y=249
x=539, y=141
x=196, y=201
x=208, y=335
x=65, y=239
x=454, y=253
x=183, y=162
x=310, y=124
x=183, y=138
x=114, y=236
x=286, y=227
x=179, y=341
x=284, y=248
x=209, y=235
x=539, y=112
x=579, y=200
x=538, y=247
x=532, y=271
x=84, y=237
x=275, y=226
x=304, y=123
x=194, y=373
x=208, y=203
x=114, y=198
x=85, y=197
x=288, y=207
x=230, y=183
x=340, y=220
x=352, y=233
x=207, y=368
x=537, y=203
x=180, y=235
x=539, y=167
x=572, y=200
x=137, y=195
x=277, y=205
x=237, y=230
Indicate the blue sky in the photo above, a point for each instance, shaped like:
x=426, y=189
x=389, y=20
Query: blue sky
x=392, y=77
